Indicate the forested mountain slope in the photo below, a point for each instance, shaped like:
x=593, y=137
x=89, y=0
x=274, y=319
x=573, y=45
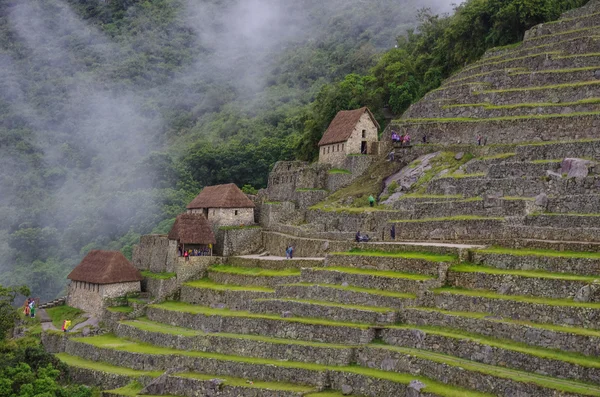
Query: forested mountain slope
x=113, y=114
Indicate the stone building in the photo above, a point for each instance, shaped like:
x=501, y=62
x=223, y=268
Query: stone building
x=223, y=205
x=101, y=275
x=191, y=232
x=350, y=132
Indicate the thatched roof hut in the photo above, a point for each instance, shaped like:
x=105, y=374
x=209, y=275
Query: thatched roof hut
x=343, y=124
x=221, y=196
x=105, y=267
x=192, y=229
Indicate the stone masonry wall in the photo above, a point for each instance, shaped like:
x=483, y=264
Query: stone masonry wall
x=232, y=242
x=289, y=176
x=231, y=216
x=154, y=253
x=91, y=297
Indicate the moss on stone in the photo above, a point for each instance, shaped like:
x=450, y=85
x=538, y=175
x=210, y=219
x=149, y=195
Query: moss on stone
x=79, y=362
x=540, y=253
x=430, y=196
x=330, y=304
x=498, y=156
x=239, y=382
x=339, y=171
x=120, y=309
x=450, y=219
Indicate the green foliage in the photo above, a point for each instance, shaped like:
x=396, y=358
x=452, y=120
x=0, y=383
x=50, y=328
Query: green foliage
x=8, y=314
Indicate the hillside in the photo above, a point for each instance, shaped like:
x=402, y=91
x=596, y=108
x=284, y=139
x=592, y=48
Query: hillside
x=114, y=114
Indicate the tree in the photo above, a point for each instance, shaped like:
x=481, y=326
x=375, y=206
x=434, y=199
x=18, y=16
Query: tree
x=8, y=314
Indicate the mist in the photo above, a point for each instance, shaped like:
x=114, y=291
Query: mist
x=78, y=123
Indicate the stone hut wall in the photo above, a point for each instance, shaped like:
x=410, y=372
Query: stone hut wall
x=155, y=253
x=334, y=154
x=91, y=297
x=364, y=131
x=231, y=216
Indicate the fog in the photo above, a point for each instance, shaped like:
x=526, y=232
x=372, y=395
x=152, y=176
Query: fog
x=73, y=133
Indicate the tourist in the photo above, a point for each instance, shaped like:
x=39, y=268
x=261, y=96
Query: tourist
x=371, y=201
x=478, y=139
x=391, y=156
x=357, y=237
x=291, y=252
x=393, y=232
x=401, y=139
x=66, y=325
x=186, y=255
x=32, y=308
x=26, y=311
x=180, y=251
x=484, y=140
x=395, y=137
x=407, y=140
x=287, y=252
x=424, y=139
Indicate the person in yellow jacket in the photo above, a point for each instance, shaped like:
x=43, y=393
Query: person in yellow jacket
x=66, y=325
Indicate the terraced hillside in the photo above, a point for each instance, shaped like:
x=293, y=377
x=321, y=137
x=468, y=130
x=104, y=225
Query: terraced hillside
x=491, y=286
x=546, y=88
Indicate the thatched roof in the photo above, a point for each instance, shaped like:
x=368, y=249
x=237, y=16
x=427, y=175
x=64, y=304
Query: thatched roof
x=105, y=267
x=221, y=196
x=192, y=229
x=343, y=124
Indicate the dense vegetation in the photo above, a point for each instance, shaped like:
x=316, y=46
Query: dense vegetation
x=113, y=115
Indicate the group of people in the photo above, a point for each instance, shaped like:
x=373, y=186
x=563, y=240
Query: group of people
x=289, y=252
x=401, y=139
x=206, y=251
x=481, y=140
x=29, y=307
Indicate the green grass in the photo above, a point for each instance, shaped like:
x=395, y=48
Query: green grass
x=514, y=198
x=380, y=292
x=239, y=382
x=339, y=171
x=206, y=283
x=132, y=389
x=517, y=298
x=540, y=252
x=254, y=271
x=501, y=372
x=374, y=273
x=114, y=343
x=120, y=309
x=331, y=304
x=545, y=161
x=450, y=218
x=489, y=62
x=158, y=276
x=272, y=202
x=469, y=268
x=353, y=210
x=145, y=324
x=60, y=313
x=559, y=71
x=546, y=87
x=426, y=256
x=207, y=311
x=565, y=214
x=104, y=367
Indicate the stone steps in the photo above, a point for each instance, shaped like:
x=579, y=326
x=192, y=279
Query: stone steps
x=565, y=25
x=351, y=379
x=372, y=279
x=587, y=264
x=419, y=262
x=568, y=339
x=522, y=282
x=209, y=293
x=466, y=373
x=526, y=308
x=350, y=294
x=223, y=274
x=497, y=352
x=324, y=309
x=240, y=322
x=164, y=335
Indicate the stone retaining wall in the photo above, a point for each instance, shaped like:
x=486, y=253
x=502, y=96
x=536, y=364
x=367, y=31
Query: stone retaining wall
x=582, y=203
x=507, y=284
x=244, y=241
x=155, y=253
x=335, y=313
x=480, y=229
x=486, y=354
x=262, y=326
x=241, y=347
x=523, y=333
x=323, y=293
x=583, y=266
x=231, y=299
x=536, y=312
x=563, y=221
x=189, y=387
x=259, y=281
x=266, y=263
x=484, y=207
x=398, y=264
